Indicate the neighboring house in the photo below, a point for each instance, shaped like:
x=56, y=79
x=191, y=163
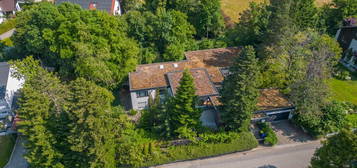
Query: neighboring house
x=8, y=7
x=110, y=6
x=347, y=38
x=208, y=68
x=9, y=87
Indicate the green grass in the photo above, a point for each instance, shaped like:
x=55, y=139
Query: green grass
x=344, y=90
x=352, y=120
x=6, y=145
x=246, y=141
x=232, y=8
x=7, y=25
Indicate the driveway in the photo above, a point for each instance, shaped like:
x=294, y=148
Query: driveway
x=287, y=133
x=296, y=155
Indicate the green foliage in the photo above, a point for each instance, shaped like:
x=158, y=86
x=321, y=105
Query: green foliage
x=239, y=92
x=130, y=5
x=337, y=151
x=77, y=42
x=183, y=115
x=240, y=142
x=90, y=122
x=333, y=14
x=167, y=33
x=7, y=143
x=252, y=25
x=304, y=13
x=133, y=112
x=40, y=107
x=271, y=138
x=7, y=25
x=351, y=120
x=205, y=15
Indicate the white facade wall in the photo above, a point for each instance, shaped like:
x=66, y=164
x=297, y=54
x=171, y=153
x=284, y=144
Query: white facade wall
x=140, y=103
x=13, y=85
x=117, y=8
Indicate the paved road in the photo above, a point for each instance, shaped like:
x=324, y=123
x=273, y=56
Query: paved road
x=284, y=156
x=17, y=160
x=7, y=34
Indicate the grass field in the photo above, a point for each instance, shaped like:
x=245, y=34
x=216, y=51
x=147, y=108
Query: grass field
x=232, y=8
x=344, y=90
x=6, y=144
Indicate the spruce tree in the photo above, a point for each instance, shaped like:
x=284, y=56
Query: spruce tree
x=239, y=92
x=184, y=116
x=91, y=135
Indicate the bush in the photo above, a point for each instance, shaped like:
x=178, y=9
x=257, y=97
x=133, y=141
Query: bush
x=242, y=141
x=7, y=25
x=269, y=134
x=132, y=112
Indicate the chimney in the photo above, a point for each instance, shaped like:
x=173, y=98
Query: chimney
x=161, y=66
x=175, y=65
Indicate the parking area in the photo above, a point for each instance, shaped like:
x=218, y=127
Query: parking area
x=288, y=133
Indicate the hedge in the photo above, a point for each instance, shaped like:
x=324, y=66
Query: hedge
x=271, y=138
x=7, y=25
x=244, y=141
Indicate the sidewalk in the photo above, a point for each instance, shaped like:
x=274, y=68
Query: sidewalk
x=17, y=160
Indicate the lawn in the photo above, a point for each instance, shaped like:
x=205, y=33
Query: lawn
x=7, y=25
x=344, y=90
x=232, y=8
x=6, y=145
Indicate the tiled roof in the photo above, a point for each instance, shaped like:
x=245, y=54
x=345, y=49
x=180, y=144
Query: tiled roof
x=104, y=5
x=153, y=75
x=203, y=84
x=8, y=5
x=269, y=99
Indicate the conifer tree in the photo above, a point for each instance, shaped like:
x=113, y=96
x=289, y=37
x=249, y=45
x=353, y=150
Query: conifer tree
x=91, y=135
x=184, y=116
x=239, y=92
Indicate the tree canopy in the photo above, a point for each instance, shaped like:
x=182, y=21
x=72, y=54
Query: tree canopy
x=77, y=42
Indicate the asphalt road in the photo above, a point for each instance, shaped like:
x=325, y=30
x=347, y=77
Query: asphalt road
x=284, y=156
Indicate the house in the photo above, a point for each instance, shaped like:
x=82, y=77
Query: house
x=346, y=36
x=8, y=7
x=9, y=87
x=110, y=6
x=208, y=68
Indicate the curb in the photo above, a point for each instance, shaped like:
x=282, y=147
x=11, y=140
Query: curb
x=13, y=149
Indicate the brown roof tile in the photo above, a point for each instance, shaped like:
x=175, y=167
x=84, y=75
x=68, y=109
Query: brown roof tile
x=8, y=5
x=152, y=76
x=269, y=99
x=203, y=84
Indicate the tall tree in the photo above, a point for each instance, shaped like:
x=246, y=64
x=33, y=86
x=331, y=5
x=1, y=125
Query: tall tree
x=41, y=109
x=77, y=42
x=304, y=14
x=91, y=135
x=239, y=92
x=184, y=116
x=337, y=151
x=252, y=25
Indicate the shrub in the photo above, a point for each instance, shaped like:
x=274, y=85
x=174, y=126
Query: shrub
x=133, y=112
x=270, y=136
x=242, y=141
x=7, y=25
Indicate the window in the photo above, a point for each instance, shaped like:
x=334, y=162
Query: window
x=143, y=93
x=162, y=91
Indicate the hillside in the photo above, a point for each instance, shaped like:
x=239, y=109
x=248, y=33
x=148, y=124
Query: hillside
x=232, y=8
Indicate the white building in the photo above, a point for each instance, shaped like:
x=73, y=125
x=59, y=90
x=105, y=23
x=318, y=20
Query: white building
x=347, y=38
x=8, y=7
x=9, y=87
